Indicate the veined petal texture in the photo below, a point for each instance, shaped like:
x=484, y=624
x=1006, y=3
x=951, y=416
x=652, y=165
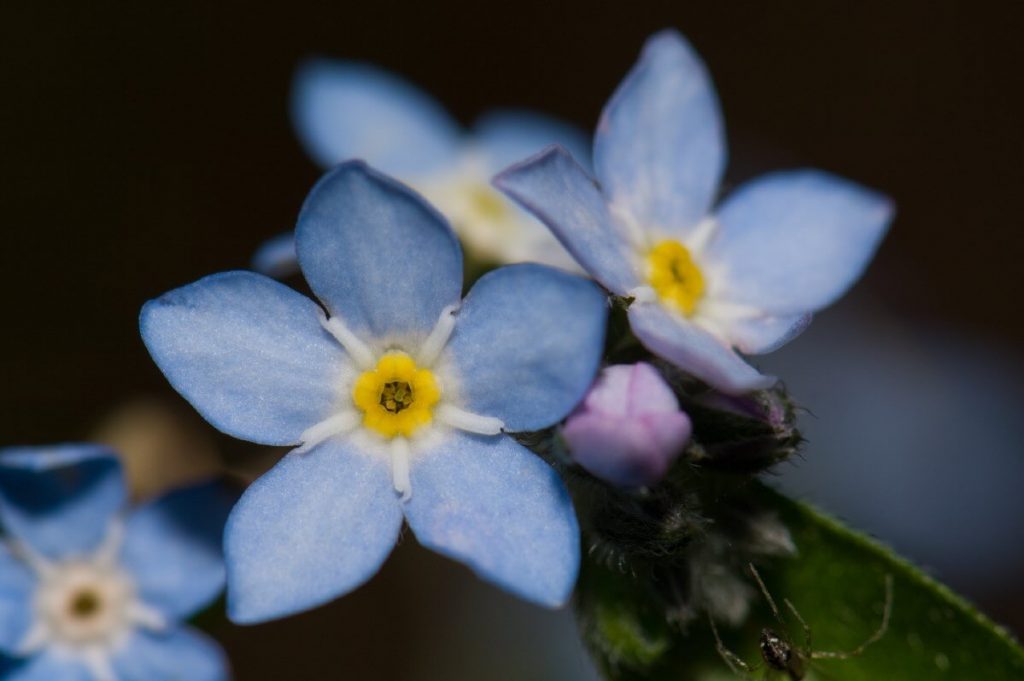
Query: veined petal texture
x=249, y=353
x=527, y=343
x=659, y=150
x=791, y=242
x=316, y=526
x=377, y=254
x=490, y=503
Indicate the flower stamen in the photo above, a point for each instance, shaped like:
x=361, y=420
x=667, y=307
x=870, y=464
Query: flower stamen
x=400, y=467
x=326, y=429
x=468, y=421
x=356, y=349
x=439, y=335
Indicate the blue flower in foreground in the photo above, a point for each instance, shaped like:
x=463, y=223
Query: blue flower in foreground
x=748, y=276
x=347, y=110
x=400, y=400
x=88, y=593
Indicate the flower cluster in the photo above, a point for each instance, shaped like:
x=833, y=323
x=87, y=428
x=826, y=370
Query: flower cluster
x=593, y=394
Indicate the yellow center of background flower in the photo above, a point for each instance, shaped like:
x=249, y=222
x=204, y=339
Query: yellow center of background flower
x=674, y=276
x=486, y=202
x=396, y=397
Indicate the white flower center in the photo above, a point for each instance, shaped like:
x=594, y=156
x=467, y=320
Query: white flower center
x=85, y=606
x=83, y=603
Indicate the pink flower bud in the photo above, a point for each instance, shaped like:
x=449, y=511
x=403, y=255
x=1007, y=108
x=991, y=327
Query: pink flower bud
x=629, y=428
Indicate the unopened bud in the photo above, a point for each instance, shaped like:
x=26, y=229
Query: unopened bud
x=629, y=428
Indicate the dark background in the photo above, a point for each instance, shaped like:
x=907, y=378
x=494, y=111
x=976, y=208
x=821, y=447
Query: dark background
x=143, y=145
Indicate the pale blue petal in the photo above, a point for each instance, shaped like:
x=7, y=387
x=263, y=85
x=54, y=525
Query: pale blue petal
x=60, y=499
x=377, y=254
x=763, y=334
x=527, y=344
x=492, y=504
x=346, y=110
x=694, y=350
x=46, y=667
x=315, y=527
x=509, y=136
x=553, y=187
x=17, y=588
x=180, y=654
x=249, y=353
x=172, y=548
x=794, y=241
x=659, y=150
x=276, y=256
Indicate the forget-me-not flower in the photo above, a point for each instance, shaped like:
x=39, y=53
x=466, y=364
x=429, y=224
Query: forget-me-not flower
x=348, y=110
x=747, y=276
x=399, y=400
x=91, y=593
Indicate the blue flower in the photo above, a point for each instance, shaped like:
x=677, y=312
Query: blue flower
x=748, y=276
x=89, y=593
x=347, y=110
x=400, y=400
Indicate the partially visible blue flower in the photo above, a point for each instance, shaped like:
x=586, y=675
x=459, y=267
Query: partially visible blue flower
x=400, y=400
x=348, y=110
x=92, y=592
x=629, y=428
x=747, y=276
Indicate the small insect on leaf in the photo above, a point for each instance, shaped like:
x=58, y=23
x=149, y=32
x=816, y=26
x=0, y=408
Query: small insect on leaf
x=778, y=651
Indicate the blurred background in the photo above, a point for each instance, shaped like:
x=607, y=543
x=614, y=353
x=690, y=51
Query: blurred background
x=144, y=145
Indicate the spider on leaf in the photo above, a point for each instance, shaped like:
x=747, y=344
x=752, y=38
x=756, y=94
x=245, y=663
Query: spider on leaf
x=778, y=651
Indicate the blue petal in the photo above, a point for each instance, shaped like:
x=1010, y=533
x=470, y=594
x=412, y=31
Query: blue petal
x=492, y=504
x=248, y=353
x=345, y=110
x=694, y=350
x=315, y=527
x=553, y=187
x=172, y=548
x=660, y=149
x=46, y=666
x=60, y=500
x=527, y=344
x=276, y=256
x=763, y=334
x=509, y=136
x=180, y=654
x=17, y=589
x=377, y=254
x=794, y=241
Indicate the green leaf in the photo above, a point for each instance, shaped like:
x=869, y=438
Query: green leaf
x=837, y=584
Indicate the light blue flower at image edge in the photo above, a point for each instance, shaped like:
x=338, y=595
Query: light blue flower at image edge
x=748, y=276
x=345, y=110
x=265, y=364
x=90, y=592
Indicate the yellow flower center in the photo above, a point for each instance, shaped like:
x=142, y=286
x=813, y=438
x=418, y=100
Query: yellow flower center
x=396, y=397
x=674, y=276
x=486, y=202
